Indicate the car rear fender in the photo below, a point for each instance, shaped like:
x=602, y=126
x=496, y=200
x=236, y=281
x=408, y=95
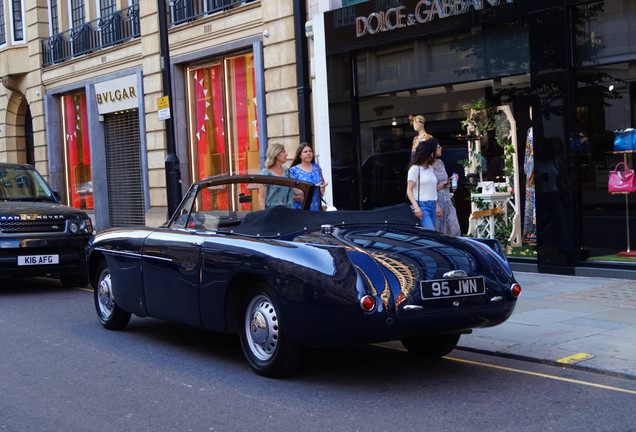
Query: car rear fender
x=298, y=274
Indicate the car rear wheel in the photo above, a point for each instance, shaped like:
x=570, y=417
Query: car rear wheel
x=431, y=346
x=110, y=315
x=263, y=340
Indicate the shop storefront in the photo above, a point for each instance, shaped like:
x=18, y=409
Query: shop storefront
x=565, y=72
x=98, y=148
x=97, y=156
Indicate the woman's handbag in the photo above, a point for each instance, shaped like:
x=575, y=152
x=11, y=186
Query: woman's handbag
x=621, y=181
x=625, y=140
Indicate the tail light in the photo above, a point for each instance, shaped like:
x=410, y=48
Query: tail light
x=515, y=290
x=368, y=303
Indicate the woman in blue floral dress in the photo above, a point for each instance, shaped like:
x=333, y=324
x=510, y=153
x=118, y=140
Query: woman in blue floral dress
x=305, y=168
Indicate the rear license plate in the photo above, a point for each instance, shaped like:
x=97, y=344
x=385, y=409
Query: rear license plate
x=38, y=260
x=449, y=288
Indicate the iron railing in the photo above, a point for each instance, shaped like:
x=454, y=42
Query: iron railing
x=187, y=10
x=121, y=26
x=91, y=36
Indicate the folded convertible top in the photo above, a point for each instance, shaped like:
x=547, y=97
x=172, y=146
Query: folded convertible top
x=283, y=220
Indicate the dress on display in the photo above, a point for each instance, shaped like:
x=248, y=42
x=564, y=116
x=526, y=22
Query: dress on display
x=530, y=215
x=447, y=223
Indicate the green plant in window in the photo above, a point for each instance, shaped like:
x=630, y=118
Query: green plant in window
x=481, y=117
x=482, y=120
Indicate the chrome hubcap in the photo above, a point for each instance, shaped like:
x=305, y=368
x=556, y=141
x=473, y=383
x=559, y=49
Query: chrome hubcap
x=104, y=296
x=261, y=327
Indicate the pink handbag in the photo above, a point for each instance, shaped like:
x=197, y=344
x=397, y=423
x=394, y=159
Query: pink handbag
x=621, y=181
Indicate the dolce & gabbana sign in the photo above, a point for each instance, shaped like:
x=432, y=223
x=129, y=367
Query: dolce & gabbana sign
x=425, y=11
x=117, y=95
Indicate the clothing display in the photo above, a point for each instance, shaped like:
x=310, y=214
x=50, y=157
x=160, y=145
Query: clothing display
x=530, y=215
x=314, y=176
x=447, y=223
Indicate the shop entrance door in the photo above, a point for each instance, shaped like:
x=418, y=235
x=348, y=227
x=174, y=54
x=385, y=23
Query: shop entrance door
x=126, y=205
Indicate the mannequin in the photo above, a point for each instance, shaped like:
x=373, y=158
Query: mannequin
x=419, y=123
x=530, y=215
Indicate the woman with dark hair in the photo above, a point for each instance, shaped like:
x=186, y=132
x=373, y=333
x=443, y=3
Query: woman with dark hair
x=305, y=168
x=421, y=185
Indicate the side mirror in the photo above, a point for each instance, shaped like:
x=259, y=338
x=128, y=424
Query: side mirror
x=245, y=198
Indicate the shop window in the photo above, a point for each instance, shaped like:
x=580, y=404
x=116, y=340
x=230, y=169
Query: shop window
x=605, y=103
x=223, y=119
x=77, y=156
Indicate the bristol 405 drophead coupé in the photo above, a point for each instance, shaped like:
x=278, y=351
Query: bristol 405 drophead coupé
x=285, y=278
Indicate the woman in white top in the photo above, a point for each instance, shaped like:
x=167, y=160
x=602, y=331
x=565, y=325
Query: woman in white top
x=421, y=186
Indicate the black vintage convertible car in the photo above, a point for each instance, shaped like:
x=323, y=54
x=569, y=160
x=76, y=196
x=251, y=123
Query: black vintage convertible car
x=284, y=278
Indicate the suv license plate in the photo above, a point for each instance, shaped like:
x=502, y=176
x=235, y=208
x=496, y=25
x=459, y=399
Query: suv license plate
x=38, y=260
x=449, y=288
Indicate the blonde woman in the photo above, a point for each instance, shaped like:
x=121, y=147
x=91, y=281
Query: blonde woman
x=276, y=195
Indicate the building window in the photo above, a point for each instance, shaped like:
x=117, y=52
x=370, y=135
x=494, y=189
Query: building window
x=3, y=30
x=223, y=118
x=77, y=13
x=77, y=154
x=107, y=7
x=17, y=21
x=55, y=24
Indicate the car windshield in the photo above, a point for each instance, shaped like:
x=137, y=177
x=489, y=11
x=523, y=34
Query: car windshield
x=225, y=205
x=20, y=184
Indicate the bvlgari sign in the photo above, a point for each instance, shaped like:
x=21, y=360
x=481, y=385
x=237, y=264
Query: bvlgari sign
x=117, y=95
x=425, y=11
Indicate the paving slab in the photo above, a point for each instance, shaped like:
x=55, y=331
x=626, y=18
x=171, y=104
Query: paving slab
x=590, y=318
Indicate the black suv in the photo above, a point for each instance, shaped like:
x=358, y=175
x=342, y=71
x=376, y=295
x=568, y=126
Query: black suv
x=38, y=235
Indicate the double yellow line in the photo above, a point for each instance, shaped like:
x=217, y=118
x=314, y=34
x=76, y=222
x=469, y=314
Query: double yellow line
x=541, y=375
x=525, y=372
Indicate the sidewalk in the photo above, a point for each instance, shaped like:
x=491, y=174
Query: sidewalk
x=587, y=322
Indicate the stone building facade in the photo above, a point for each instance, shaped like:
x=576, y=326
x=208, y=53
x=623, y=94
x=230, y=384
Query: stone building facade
x=82, y=91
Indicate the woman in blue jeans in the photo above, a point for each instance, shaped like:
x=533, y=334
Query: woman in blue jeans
x=421, y=186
